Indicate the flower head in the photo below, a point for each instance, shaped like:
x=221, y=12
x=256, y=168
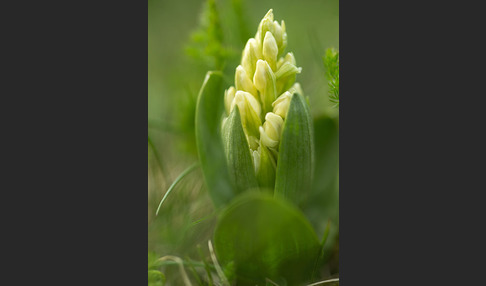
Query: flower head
x=264, y=85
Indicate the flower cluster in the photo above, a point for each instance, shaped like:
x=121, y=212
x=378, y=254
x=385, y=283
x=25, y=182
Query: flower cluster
x=264, y=85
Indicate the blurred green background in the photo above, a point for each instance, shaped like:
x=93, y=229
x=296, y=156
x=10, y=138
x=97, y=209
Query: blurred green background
x=185, y=40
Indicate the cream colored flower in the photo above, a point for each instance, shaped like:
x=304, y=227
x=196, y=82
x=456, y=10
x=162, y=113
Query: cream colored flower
x=271, y=131
x=264, y=85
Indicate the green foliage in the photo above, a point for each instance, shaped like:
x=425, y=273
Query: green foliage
x=267, y=171
x=238, y=154
x=261, y=237
x=188, y=217
x=181, y=176
x=323, y=205
x=296, y=153
x=331, y=62
x=209, y=142
x=155, y=277
x=207, y=41
x=241, y=19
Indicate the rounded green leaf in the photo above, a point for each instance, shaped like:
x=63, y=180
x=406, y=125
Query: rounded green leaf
x=260, y=237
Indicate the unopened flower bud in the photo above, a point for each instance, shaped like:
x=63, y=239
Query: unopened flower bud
x=286, y=72
x=265, y=81
x=277, y=32
x=289, y=57
x=281, y=105
x=287, y=69
x=296, y=88
x=263, y=74
x=229, y=95
x=266, y=24
x=270, y=50
x=243, y=82
x=283, y=44
x=251, y=54
x=249, y=111
x=256, y=160
x=271, y=130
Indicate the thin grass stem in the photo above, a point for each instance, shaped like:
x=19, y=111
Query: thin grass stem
x=324, y=282
x=181, y=176
x=179, y=261
x=157, y=159
x=221, y=275
x=206, y=265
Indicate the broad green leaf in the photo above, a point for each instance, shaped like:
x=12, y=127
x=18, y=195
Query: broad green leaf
x=296, y=153
x=261, y=237
x=240, y=164
x=209, y=142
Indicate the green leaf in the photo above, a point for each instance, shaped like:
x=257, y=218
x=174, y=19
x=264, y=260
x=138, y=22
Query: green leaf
x=296, y=153
x=209, y=142
x=240, y=164
x=156, y=278
x=331, y=62
x=323, y=205
x=153, y=262
x=177, y=180
x=265, y=237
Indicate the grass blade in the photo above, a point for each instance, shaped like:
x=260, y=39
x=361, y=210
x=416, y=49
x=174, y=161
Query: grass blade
x=181, y=176
x=157, y=159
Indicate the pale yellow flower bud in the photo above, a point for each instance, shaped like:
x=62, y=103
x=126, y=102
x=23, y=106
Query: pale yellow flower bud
x=250, y=111
x=265, y=81
x=289, y=57
x=262, y=75
x=280, y=35
x=243, y=82
x=287, y=69
x=270, y=50
x=271, y=130
x=229, y=95
x=256, y=160
x=277, y=32
x=251, y=54
x=286, y=72
x=281, y=105
x=296, y=88
x=244, y=99
x=266, y=24
x=283, y=45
